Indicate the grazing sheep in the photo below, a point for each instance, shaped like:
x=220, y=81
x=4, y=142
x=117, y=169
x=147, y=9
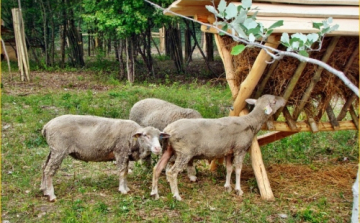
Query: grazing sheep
x=98, y=139
x=228, y=137
x=159, y=113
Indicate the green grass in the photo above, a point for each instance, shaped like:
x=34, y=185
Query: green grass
x=87, y=192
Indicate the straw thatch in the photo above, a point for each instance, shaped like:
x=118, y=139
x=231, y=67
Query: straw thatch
x=328, y=86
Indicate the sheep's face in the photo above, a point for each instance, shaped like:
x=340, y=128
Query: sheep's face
x=270, y=103
x=148, y=139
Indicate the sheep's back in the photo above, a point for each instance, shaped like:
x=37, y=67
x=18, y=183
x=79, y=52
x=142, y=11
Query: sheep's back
x=158, y=113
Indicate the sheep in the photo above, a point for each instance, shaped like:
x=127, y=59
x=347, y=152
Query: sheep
x=98, y=139
x=228, y=137
x=159, y=113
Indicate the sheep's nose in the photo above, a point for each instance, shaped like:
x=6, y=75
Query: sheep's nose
x=156, y=149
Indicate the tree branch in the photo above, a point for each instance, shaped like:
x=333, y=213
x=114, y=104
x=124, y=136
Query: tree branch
x=278, y=54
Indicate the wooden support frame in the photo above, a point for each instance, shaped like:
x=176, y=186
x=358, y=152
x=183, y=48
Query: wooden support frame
x=316, y=77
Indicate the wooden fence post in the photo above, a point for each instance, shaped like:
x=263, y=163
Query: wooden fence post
x=22, y=54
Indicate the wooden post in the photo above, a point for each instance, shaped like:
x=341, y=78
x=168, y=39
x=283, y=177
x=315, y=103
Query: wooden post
x=228, y=66
x=23, y=59
x=162, y=39
x=249, y=84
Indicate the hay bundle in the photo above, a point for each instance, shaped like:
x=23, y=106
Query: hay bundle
x=328, y=86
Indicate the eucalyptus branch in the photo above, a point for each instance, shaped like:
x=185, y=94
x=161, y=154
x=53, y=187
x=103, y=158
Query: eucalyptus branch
x=276, y=55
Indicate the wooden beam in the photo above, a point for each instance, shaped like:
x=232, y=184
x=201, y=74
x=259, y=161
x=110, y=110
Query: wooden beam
x=228, y=65
x=289, y=89
x=272, y=137
x=303, y=126
x=248, y=85
x=266, y=78
x=347, y=27
x=354, y=117
x=303, y=11
x=315, y=78
x=314, y=2
x=332, y=118
x=259, y=167
x=289, y=120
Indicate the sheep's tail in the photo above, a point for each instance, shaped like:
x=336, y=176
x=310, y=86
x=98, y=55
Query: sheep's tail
x=43, y=131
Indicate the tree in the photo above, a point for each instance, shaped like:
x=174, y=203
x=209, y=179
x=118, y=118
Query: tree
x=126, y=19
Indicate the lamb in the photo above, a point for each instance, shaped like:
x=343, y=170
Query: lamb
x=98, y=139
x=159, y=113
x=228, y=137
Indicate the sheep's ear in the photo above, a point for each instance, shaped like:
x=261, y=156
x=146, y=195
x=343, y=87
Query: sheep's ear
x=137, y=135
x=251, y=101
x=268, y=110
x=164, y=135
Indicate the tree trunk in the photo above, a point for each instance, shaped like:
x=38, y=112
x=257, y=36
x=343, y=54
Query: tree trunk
x=130, y=59
x=187, y=45
x=120, y=50
x=173, y=47
x=75, y=43
x=209, y=47
x=45, y=31
x=63, y=33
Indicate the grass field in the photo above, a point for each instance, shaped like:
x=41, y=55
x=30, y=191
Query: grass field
x=311, y=174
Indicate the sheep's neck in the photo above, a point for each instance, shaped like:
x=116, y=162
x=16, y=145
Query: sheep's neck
x=256, y=118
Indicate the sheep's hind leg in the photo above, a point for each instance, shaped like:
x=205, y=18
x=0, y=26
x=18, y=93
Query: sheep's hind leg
x=238, y=160
x=157, y=171
x=229, y=170
x=191, y=171
x=43, y=178
x=172, y=173
x=50, y=170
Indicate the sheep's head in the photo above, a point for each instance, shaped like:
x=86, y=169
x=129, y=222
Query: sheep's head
x=148, y=139
x=269, y=103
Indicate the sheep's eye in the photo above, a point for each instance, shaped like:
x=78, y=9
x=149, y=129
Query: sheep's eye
x=274, y=102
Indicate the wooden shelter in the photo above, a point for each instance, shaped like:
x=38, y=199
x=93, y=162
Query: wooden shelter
x=316, y=99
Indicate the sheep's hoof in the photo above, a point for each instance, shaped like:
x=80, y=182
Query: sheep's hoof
x=228, y=189
x=239, y=192
x=52, y=199
x=177, y=197
x=155, y=195
x=193, y=178
x=123, y=191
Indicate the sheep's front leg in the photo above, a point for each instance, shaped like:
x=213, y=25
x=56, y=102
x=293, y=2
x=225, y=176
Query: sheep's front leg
x=238, y=160
x=172, y=173
x=229, y=170
x=122, y=164
x=157, y=171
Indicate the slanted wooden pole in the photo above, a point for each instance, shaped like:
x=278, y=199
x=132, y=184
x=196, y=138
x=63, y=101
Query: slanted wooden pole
x=228, y=65
x=249, y=84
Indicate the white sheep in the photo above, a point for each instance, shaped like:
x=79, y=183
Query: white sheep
x=228, y=137
x=98, y=139
x=159, y=113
